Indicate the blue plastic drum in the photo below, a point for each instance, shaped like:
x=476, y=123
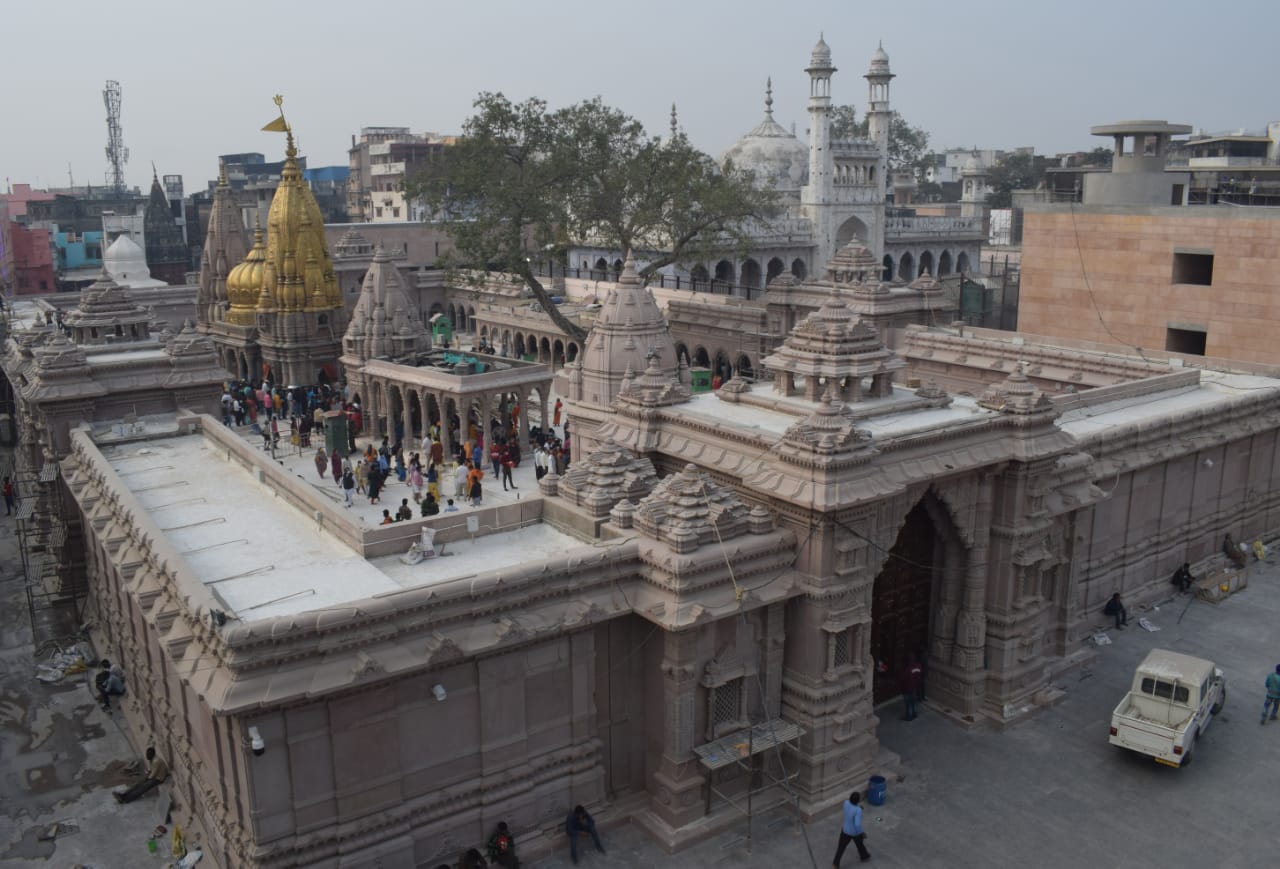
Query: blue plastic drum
x=877, y=790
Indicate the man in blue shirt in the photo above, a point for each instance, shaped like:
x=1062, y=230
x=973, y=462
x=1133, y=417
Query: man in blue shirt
x=1273, y=695
x=851, y=830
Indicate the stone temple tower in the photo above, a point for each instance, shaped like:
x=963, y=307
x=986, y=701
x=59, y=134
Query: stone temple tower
x=879, y=116
x=629, y=337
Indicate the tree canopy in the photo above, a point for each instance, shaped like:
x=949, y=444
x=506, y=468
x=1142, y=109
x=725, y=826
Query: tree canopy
x=1013, y=171
x=524, y=182
x=908, y=145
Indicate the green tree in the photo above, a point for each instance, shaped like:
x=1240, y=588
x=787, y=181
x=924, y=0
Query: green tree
x=908, y=145
x=524, y=182
x=1097, y=157
x=1014, y=171
x=844, y=124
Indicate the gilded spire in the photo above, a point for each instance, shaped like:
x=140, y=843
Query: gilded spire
x=298, y=269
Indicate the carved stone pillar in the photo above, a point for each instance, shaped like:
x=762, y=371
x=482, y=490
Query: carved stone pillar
x=405, y=414
x=971, y=623
x=446, y=436
x=775, y=637
x=522, y=424
x=678, y=782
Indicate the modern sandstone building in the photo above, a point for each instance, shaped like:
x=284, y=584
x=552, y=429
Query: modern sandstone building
x=1134, y=267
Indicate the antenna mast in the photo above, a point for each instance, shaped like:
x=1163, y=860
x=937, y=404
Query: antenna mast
x=117, y=153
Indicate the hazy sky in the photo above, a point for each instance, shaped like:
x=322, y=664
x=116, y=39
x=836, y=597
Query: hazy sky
x=198, y=77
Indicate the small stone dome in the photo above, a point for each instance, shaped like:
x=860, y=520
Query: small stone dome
x=879, y=61
x=821, y=55
x=973, y=166
x=771, y=152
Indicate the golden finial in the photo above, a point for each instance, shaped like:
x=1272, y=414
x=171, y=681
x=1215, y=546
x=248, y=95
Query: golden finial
x=280, y=125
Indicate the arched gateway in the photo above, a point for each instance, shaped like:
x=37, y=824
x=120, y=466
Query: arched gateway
x=913, y=599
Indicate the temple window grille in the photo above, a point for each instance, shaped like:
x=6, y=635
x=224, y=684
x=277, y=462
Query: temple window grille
x=726, y=708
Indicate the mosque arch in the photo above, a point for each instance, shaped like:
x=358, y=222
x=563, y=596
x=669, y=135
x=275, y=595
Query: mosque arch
x=701, y=359
x=750, y=274
x=506, y=342
x=519, y=346
x=944, y=264
x=557, y=353
x=471, y=317
x=745, y=368
x=602, y=266
x=699, y=276
x=798, y=269
x=437, y=308
x=906, y=268
x=682, y=352
x=571, y=352
x=774, y=268
x=962, y=262
x=926, y=264
x=725, y=274
x=849, y=230
x=887, y=274
x=544, y=350
x=484, y=333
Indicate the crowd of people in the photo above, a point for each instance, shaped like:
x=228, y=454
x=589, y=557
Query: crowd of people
x=477, y=449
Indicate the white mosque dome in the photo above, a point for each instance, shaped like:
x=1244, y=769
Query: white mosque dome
x=880, y=60
x=126, y=263
x=772, y=153
x=972, y=166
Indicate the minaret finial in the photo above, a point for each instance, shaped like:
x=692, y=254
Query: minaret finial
x=768, y=98
x=673, y=120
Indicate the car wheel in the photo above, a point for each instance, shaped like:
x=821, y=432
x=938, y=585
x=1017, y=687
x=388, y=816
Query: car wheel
x=1217, y=707
x=1190, y=752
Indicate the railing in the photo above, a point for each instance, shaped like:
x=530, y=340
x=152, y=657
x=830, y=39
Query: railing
x=897, y=227
x=670, y=282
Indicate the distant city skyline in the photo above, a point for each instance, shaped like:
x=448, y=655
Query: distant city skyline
x=989, y=73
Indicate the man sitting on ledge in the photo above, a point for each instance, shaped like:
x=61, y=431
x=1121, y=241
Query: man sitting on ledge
x=157, y=772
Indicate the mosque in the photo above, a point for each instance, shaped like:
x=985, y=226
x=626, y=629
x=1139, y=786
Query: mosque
x=832, y=192
x=714, y=598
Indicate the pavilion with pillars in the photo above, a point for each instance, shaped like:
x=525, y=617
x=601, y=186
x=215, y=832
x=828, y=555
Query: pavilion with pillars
x=404, y=385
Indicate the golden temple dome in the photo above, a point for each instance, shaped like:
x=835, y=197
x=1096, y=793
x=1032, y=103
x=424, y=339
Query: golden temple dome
x=244, y=283
x=298, y=273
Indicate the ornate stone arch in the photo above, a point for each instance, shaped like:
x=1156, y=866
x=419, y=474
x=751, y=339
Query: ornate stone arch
x=907, y=267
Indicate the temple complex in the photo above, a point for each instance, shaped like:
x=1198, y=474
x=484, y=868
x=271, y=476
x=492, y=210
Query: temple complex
x=751, y=566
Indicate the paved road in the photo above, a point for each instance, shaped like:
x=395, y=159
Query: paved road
x=1051, y=791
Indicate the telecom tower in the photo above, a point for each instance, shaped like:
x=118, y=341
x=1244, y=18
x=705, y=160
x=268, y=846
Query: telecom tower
x=117, y=153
